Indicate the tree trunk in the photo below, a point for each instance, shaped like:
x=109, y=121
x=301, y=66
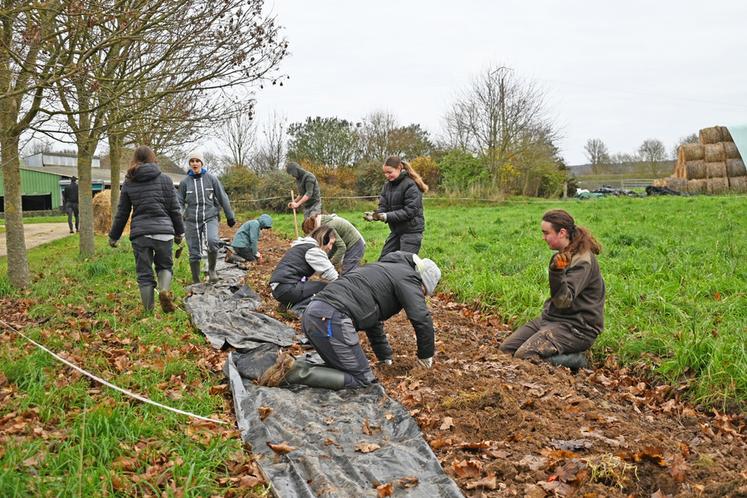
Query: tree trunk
x=18, y=262
x=86, y=147
x=115, y=154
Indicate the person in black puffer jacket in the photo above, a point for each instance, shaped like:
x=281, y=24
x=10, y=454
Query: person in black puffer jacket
x=401, y=207
x=156, y=224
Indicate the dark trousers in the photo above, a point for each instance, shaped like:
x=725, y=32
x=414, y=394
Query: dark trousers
x=353, y=256
x=335, y=339
x=72, y=210
x=544, y=339
x=291, y=294
x=149, y=252
x=244, y=252
x=408, y=242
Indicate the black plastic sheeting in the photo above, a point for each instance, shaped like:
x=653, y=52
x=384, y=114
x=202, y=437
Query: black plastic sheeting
x=225, y=313
x=326, y=427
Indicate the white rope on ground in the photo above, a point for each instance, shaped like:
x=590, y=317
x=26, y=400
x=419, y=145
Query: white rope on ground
x=109, y=384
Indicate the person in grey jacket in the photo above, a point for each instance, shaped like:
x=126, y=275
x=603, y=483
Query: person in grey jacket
x=307, y=256
x=401, y=207
x=308, y=193
x=201, y=196
x=573, y=316
x=362, y=300
x=156, y=224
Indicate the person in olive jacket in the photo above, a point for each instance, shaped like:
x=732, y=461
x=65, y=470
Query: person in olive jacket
x=156, y=224
x=308, y=194
x=401, y=207
x=573, y=316
x=201, y=196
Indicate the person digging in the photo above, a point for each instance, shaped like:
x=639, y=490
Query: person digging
x=362, y=300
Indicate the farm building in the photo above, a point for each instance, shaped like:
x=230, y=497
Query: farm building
x=45, y=175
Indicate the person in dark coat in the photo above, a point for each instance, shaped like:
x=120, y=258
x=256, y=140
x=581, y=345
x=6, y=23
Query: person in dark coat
x=308, y=194
x=362, y=300
x=70, y=202
x=573, y=316
x=401, y=207
x=156, y=224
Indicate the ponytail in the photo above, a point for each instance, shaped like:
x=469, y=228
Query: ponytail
x=142, y=155
x=397, y=162
x=581, y=238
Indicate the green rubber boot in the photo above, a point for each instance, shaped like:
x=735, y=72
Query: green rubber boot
x=303, y=372
x=165, y=296
x=146, y=296
x=574, y=361
x=194, y=266
x=212, y=274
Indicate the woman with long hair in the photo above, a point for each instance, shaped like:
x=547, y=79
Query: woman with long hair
x=573, y=316
x=401, y=207
x=156, y=224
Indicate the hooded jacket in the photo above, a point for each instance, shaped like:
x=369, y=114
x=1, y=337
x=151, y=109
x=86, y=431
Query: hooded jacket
x=248, y=235
x=306, y=183
x=70, y=194
x=375, y=292
x=577, y=295
x=151, y=197
x=201, y=198
x=302, y=260
x=402, y=201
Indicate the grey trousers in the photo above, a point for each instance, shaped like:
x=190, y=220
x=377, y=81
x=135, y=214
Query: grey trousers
x=309, y=209
x=353, y=256
x=543, y=338
x=149, y=252
x=409, y=242
x=335, y=339
x=201, y=235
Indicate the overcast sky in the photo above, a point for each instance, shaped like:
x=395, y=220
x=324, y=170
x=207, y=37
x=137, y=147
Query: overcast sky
x=619, y=71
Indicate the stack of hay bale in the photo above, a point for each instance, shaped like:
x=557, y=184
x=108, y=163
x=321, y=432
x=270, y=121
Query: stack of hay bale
x=713, y=166
x=102, y=213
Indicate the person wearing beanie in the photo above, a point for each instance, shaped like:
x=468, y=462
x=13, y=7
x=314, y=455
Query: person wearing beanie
x=573, y=316
x=349, y=246
x=245, y=243
x=362, y=300
x=201, y=196
x=156, y=224
x=308, y=194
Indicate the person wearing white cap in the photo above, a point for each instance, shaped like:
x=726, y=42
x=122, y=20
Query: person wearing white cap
x=362, y=300
x=201, y=196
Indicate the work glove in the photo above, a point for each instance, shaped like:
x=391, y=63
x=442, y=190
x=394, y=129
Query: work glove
x=425, y=362
x=379, y=216
x=368, y=216
x=231, y=222
x=113, y=243
x=560, y=261
x=178, y=238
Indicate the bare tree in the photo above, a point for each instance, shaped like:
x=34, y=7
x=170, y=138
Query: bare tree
x=597, y=154
x=375, y=135
x=238, y=134
x=688, y=139
x=652, y=151
x=272, y=150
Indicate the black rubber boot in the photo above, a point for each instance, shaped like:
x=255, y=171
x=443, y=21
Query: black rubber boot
x=574, y=361
x=146, y=296
x=165, y=296
x=194, y=266
x=212, y=260
x=303, y=372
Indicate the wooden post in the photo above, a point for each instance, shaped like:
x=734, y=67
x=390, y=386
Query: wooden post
x=295, y=216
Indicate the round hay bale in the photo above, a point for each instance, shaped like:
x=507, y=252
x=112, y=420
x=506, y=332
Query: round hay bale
x=691, y=152
x=102, y=213
x=716, y=170
x=714, y=153
x=738, y=184
x=696, y=186
x=678, y=184
x=660, y=182
x=710, y=135
x=731, y=151
x=735, y=168
x=696, y=170
x=725, y=135
x=717, y=185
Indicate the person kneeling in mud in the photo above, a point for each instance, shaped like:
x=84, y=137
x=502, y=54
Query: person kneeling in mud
x=573, y=316
x=245, y=245
x=307, y=256
x=362, y=300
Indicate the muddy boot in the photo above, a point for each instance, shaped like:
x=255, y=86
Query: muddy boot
x=574, y=361
x=303, y=372
x=194, y=266
x=212, y=274
x=165, y=296
x=146, y=296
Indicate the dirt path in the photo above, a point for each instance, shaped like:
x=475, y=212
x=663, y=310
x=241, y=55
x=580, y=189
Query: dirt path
x=37, y=234
x=504, y=427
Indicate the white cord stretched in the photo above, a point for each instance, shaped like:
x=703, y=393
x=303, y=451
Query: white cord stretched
x=109, y=384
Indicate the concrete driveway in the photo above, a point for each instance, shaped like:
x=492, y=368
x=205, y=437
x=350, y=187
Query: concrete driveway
x=37, y=234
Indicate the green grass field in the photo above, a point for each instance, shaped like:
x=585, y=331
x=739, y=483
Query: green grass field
x=674, y=268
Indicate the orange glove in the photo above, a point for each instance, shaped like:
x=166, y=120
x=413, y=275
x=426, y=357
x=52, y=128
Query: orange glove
x=560, y=261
